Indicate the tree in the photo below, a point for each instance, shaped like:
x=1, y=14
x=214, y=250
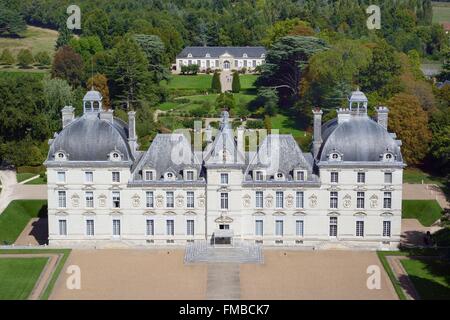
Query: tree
x=43, y=59
x=58, y=93
x=100, y=83
x=11, y=22
x=216, y=86
x=68, y=65
x=440, y=144
x=154, y=50
x=285, y=63
x=86, y=47
x=226, y=101
x=25, y=58
x=64, y=37
x=96, y=23
x=7, y=58
x=286, y=27
x=236, y=85
x=128, y=70
x=267, y=123
x=410, y=122
x=445, y=73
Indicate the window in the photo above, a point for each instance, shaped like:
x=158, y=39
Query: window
x=299, y=199
x=334, y=157
x=61, y=176
x=387, y=200
x=190, y=227
x=224, y=178
x=333, y=200
x=89, y=196
x=300, y=176
x=61, y=199
x=361, y=177
x=62, y=227
x=217, y=63
x=116, y=176
x=148, y=175
x=170, y=227
x=259, y=176
x=116, y=199
x=61, y=155
x=90, y=227
x=150, y=227
x=386, y=228
x=236, y=63
x=169, y=199
x=254, y=63
x=259, y=199
x=116, y=227
x=115, y=155
x=89, y=176
x=279, y=228
x=360, y=228
x=360, y=200
x=279, y=199
x=334, y=177
x=224, y=226
x=190, y=175
x=388, y=177
x=388, y=157
x=259, y=228
x=224, y=201
x=333, y=226
x=279, y=176
x=149, y=200
x=299, y=228
x=169, y=175
x=190, y=199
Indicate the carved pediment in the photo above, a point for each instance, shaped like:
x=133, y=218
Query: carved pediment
x=333, y=214
x=360, y=214
x=116, y=213
x=149, y=213
x=61, y=213
x=190, y=213
x=387, y=188
x=360, y=188
x=279, y=213
x=258, y=213
x=169, y=213
x=387, y=214
x=299, y=213
x=223, y=219
x=334, y=188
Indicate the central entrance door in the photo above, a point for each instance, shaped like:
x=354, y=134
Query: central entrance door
x=226, y=64
x=223, y=235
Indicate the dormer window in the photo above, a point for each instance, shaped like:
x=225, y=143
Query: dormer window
x=208, y=55
x=259, y=176
x=300, y=175
x=115, y=156
x=189, y=55
x=279, y=176
x=189, y=175
x=60, y=156
x=388, y=157
x=149, y=175
x=169, y=176
x=335, y=157
x=263, y=55
x=245, y=55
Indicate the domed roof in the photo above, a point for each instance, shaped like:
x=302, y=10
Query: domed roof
x=358, y=139
x=92, y=95
x=90, y=138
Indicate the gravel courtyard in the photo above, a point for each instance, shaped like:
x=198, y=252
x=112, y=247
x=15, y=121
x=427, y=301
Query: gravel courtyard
x=161, y=274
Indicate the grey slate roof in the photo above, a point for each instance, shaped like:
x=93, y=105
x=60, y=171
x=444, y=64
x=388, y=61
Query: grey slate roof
x=360, y=139
x=215, y=52
x=280, y=153
x=89, y=138
x=168, y=153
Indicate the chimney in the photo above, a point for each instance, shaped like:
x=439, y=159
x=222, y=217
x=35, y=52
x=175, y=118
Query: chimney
x=107, y=115
x=208, y=134
x=382, y=116
x=317, y=139
x=343, y=115
x=132, y=138
x=240, y=140
x=67, y=115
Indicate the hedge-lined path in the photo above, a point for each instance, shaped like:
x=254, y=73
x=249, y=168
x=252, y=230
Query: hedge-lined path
x=46, y=274
x=226, y=80
x=11, y=190
x=34, y=234
x=402, y=277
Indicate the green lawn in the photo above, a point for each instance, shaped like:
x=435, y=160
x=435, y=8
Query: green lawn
x=39, y=180
x=24, y=176
x=34, y=38
x=16, y=73
x=17, y=215
x=396, y=283
x=287, y=125
x=441, y=12
x=247, y=81
x=431, y=277
x=199, y=81
x=18, y=276
x=426, y=211
x=415, y=175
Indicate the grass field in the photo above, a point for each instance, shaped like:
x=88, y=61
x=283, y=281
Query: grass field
x=16, y=73
x=426, y=211
x=18, y=276
x=39, y=180
x=441, y=12
x=287, y=125
x=24, y=176
x=17, y=215
x=36, y=39
x=199, y=81
x=248, y=81
x=431, y=278
x=415, y=175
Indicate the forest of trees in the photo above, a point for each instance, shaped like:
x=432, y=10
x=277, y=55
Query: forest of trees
x=318, y=51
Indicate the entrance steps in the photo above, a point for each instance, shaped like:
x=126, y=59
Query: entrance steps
x=199, y=252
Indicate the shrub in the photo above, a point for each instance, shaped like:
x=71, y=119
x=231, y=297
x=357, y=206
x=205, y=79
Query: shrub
x=255, y=124
x=216, y=86
x=7, y=58
x=43, y=59
x=25, y=58
x=236, y=85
